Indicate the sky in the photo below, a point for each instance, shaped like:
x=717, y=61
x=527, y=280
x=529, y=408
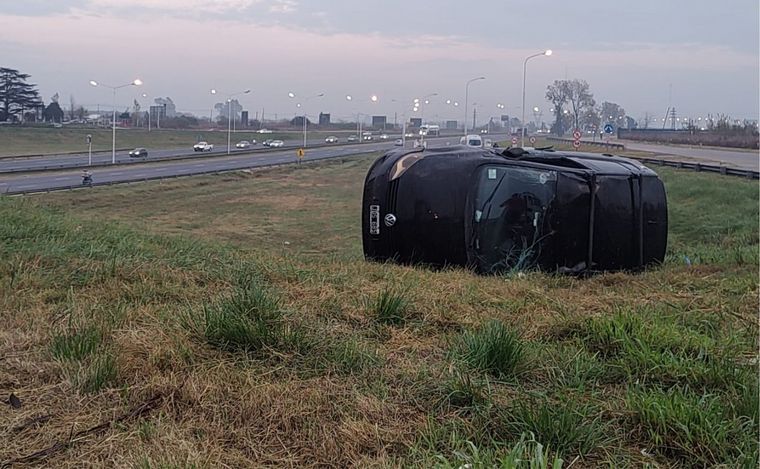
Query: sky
x=699, y=56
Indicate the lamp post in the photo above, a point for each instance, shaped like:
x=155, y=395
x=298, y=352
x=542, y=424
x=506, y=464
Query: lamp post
x=547, y=53
x=372, y=99
x=229, y=113
x=303, y=116
x=136, y=82
x=466, y=98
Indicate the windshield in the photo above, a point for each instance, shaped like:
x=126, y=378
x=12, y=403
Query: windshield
x=509, y=222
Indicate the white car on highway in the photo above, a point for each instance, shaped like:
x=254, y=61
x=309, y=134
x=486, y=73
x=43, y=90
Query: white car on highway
x=265, y=131
x=331, y=139
x=203, y=146
x=244, y=144
x=276, y=143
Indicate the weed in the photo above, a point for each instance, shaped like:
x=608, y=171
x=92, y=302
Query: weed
x=76, y=345
x=248, y=320
x=526, y=453
x=492, y=348
x=389, y=307
x=568, y=425
x=463, y=390
x=96, y=373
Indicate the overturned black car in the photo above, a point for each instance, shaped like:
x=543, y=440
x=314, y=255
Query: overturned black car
x=516, y=209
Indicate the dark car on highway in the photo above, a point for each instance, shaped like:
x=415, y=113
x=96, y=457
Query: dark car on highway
x=138, y=153
x=519, y=209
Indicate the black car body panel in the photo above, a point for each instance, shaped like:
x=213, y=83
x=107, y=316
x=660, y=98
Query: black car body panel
x=492, y=211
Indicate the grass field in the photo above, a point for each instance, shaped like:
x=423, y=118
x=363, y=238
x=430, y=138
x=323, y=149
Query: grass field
x=231, y=320
x=49, y=140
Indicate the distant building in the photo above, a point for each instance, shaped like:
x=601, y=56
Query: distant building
x=452, y=125
x=378, y=121
x=324, y=118
x=170, y=110
x=244, y=119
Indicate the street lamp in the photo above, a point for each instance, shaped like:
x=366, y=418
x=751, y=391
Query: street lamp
x=303, y=117
x=547, y=53
x=136, y=82
x=229, y=113
x=466, y=98
x=373, y=99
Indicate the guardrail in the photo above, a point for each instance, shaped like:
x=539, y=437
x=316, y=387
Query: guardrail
x=725, y=170
x=67, y=187
x=616, y=146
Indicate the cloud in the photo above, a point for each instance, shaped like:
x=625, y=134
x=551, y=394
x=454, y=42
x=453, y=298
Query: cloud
x=215, y=6
x=284, y=6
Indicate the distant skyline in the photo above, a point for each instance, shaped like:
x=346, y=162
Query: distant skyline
x=630, y=53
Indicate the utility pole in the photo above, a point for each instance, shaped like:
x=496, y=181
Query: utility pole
x=474, y=116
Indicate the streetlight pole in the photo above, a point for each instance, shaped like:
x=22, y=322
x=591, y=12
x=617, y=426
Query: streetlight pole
x=466, y=99
x=229, y=114
x=136, y=82
x=547, y=52
x=303, y=115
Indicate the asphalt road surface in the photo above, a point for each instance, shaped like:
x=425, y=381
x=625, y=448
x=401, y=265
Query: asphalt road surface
x=25, y=163
x=42, y=181
x=736, y=158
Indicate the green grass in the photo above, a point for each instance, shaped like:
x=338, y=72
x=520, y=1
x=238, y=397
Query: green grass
x=697, y=429
x=389, y=307
x=245, y=301
x=248, y=320
x=493, y=348
x=568, y=426
x=76, y=345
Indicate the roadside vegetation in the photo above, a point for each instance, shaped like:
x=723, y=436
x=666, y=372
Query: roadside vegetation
x=231, y=320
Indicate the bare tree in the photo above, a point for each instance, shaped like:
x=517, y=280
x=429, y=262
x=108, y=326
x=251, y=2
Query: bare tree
x=557, y=94
x=579, y=98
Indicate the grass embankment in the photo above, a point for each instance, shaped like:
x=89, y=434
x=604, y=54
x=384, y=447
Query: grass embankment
x=47, y=140
x=231, y=320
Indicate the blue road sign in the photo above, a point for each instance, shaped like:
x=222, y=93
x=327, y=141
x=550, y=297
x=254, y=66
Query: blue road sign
x=608, y=128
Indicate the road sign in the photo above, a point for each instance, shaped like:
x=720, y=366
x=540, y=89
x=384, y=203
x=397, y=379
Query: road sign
x=576, y=144
x=514, y=140
x=608, y=128
x=577, y=134
x=89, y=138
x=532, y=140
x=300, y=153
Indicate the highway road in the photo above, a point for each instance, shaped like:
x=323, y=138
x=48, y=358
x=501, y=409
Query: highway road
x=26, y=163
x=41, y=181
x=737, y=158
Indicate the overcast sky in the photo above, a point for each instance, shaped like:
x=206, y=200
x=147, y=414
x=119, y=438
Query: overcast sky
x=629, y=52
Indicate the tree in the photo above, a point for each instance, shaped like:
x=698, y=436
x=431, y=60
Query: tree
x=557, y=94
x=53, y=112
x=298, y=121
x=16, y=94
x=226, y=109
x=580, y=99
x=613, y=114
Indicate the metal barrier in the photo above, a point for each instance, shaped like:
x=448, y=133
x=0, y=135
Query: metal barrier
x=725, y=170
x=616, y=146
